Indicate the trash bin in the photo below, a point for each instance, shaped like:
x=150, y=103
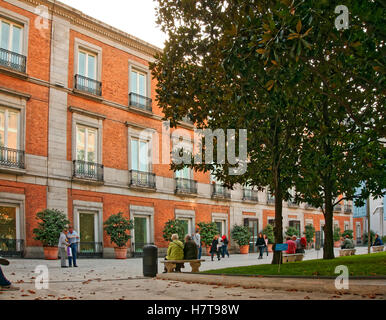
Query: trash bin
x=150, y=261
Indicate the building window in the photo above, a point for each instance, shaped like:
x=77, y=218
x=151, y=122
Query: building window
x=11, y=36
x=10, y=153
x=141, y=232
x=88, y=232
x=10, y=242
x=221, y=226
x=187, y=225
x=87, y=68
x=271, y=222
x=87, y=154
x=86, y=144
x=139, y=87
x=140, y=160
x=295, y=224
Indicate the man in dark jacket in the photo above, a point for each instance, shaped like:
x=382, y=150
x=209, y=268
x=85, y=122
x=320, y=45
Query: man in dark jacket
x=377, y=241
x=260, y=243
x=190, y=249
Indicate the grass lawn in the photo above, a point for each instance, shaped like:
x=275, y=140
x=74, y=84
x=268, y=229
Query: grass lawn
x=360, y=265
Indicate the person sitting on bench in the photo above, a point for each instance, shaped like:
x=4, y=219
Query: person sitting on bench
x=190, y=249
x=347, y=243
x=175, y=252
x=377, y=241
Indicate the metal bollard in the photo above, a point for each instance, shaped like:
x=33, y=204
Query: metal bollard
x=150, y=261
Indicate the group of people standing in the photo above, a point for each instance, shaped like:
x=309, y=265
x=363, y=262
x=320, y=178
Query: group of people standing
x=68, y=247
x=219, y=247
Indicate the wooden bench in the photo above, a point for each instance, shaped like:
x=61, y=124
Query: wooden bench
x=347, y=252
x=293, y=257
x=378, y=248
x=171, y=264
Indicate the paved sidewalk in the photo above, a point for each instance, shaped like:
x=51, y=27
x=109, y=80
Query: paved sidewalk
x=110, y=279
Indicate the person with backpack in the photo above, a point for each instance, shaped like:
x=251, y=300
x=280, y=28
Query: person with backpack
x=225, y=243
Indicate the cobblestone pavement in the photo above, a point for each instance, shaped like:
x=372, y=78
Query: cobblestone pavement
x=109, y=279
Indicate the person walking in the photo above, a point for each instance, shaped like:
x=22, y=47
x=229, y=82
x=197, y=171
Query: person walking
x=5, y=284
x=190, y=249
x=260, y=243
x=225, y=243
x=197, y=240
x=214, y=248
x=73, y=239
x=63, y=244
x=219, y=244
x=266, y=243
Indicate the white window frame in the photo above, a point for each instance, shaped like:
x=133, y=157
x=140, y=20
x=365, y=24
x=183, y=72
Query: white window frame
x=86, y=121
x=147, y=226
x=189, y=215
x=223, y=218
x=139, y=140
x=145, y=135
x=143, y=212
x=88, y=53
x=6, y=126
x=143, y=69
x=11, y=205
x=86, y=47
x=87, y=128
x=12, y=24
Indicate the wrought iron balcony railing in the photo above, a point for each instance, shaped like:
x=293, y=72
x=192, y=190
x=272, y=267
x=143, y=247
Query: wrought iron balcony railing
x=11, y=247
x=347, y=209
x=88, y=170
x=219, y=191
x=292, y=204
x=88, y=85
x=250, y=195
x=140, y=102
x=90, y=249
x=12, y=158
x=13, y=60
x=270, y=199
x=186, y=186
x=142, y=179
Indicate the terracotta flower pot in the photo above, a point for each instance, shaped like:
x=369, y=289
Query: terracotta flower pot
x=337, y=244
x=51, y=253
x=244, y=249
x=120, y=253
x=270, y=247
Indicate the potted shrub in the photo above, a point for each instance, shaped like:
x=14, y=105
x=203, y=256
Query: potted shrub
x=207, y=231
x=291, y=231
x=268, y=231
x=336, y=237
x=172, y=227
x=349, y=233
x=51, y=224
x=116, y=227
x=242, y=236
x=309, y=233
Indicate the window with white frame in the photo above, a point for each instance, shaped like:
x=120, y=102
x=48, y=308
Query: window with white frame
x=87, y=64
x=9, y=128
x=86, y=144
x=138, y=82
x=11, y=36
x=140, y=157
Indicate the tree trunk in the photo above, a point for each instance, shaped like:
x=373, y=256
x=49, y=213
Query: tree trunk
x=278, y=229
x=328, y=248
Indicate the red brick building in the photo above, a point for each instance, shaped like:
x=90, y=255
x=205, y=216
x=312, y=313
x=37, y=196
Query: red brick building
x=77, y=119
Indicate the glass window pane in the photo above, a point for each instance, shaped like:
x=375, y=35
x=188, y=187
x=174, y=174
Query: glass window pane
x=141, y=233
x=91, y=146
x=16, y=39
x=87, y=232
x=91, y=67
x=134, y=155
x=82, y=64
x=7, y=224
x=80, y=144
x=2, y=127
x=143, y=156
x=133, y=82
x=5, y=32
x=13, y=124
x=142, y=85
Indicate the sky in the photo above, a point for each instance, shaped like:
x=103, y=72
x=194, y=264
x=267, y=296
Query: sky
x=136, y=17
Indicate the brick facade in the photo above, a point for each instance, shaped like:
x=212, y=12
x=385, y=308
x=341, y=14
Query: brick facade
x=50, y=109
